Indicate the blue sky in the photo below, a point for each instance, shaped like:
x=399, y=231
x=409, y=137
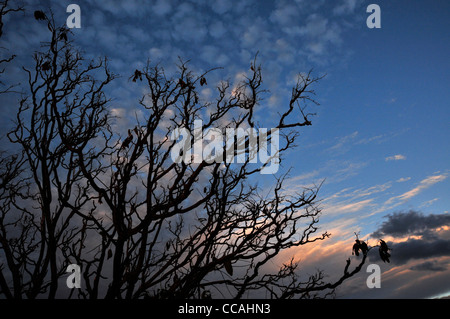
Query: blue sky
x=380, y=136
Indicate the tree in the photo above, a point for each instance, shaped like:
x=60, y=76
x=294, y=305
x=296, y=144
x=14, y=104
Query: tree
x=137, y=222
x=4, y=10
x=44, y=189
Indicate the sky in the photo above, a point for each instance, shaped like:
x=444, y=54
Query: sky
x=379, y=139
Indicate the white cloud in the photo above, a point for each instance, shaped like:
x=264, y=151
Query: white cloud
x=316, y=26
x=217, y=29
x=397, y=157
x=349, y=207
x=345, y=7
x=308, y=179
x=392, y=100
x=424, y=184
x=161, y=7
x=343, y=141
x=156, y=53
x=284, y=14
x=429, y=202
x=220, y=7
x=351, y=200
x=370, y=139
x=370, y=190
x=189, y=29
x=214, y=56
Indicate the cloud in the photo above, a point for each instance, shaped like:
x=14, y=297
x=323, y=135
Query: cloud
x=352, y=207
x=368, y=140
x=420, y=254
x=331, y=172
x=397, y=157
x=320, y=35
x=189, y=29
x=420, y=258
x=424, y=184
x=316, y=26
x=297, y=33
x=432, y=265
x=220, y=7
x=419, y=249
x=401, y=224
x=129, y=8
x=302, y=177
x=427, y=236
x=343, y=142
x=392, y=100
x=347, y=170
x=284, y=14
x=380, y=138
x=429, y=202
x=403, y=179
x=161, y=7
x=217, y=29
x=345, y=7
x=361, y=201
x=155, y=53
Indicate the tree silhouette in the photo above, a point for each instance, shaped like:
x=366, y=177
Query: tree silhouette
x=139, y=224
x=5, y=9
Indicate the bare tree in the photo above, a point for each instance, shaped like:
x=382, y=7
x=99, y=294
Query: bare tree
x=139, y=223
x=43, y=185
x=5, y=9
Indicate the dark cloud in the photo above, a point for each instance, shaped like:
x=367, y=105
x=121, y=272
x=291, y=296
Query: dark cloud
x=419, y=248
x=401, y=224
x=427, y=242
x=431, y=265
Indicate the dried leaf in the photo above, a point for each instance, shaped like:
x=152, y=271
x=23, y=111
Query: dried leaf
x=228, y=267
